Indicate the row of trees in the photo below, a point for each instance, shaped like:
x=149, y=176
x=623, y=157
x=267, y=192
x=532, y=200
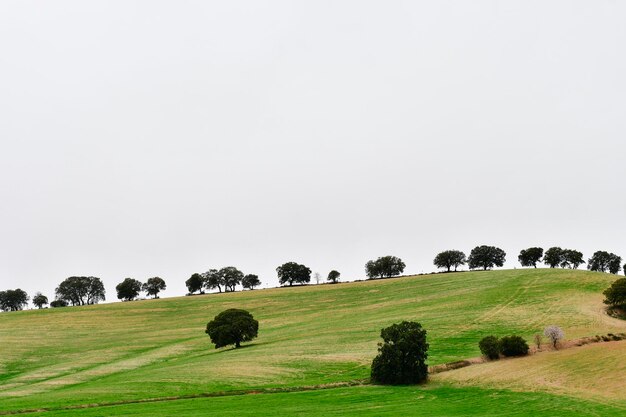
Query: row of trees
x=487, y=257
x=130, y=288
x=224, y=280
x=484, y=257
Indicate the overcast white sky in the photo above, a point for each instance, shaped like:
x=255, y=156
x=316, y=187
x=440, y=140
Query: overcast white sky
x=143, y=138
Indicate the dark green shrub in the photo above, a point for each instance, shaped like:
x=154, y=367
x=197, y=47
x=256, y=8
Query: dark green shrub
x=513, y=346
x=616, y=293
x=402, y=356
x=490, y=347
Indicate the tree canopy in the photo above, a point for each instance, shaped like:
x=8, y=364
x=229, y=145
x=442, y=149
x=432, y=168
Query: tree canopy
x=293, y=273
x=128, y=289
x=153, y=286
x=232, y=327
x=603, y=261
x=384, y=267
x=486, y=257
x=449, y=259
x=81, y=290
x=250, y=281
x=333, y=276
x=212, y=280
x=553, y=257
x=571, y=258
x=40, y=300
x=530, y=256
x=615, y=295
x=13, y=300
x=195, y=283
x=402, y=355
x=230, y=277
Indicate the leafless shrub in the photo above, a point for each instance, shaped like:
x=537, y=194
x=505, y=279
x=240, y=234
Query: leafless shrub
x=554, y=333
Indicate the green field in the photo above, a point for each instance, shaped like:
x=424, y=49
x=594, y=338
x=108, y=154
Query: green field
x=313, y=336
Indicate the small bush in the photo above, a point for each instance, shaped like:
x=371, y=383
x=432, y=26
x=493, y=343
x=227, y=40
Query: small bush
x=513, y=346
x=490, y=347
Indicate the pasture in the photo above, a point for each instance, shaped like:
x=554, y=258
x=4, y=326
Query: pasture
x=317, y=336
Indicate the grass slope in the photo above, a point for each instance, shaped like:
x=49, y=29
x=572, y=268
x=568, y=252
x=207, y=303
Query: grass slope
x=308, y=335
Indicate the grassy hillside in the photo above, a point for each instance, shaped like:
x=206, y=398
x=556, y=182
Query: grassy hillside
x=308, y=336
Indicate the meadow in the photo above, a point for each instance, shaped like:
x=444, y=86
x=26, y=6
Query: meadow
x=316, y=336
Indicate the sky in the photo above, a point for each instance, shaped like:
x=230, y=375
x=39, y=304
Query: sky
x=162, y=138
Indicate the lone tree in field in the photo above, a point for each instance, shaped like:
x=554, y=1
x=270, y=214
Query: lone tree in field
x=40, y=300
x=195, y=283
x=402, y=355
x=230, y=278
x=333, y=276
x=153, y=286
x=530, y=256
x=449, y=259
x=250, y=281
x=486, y=257
x=615, y=295
x=128, y=289
x=232, y=327
x=81, y=291
x=13, y=300
x=553, y=257
x=293, y=273
x=212, y=280
x=571, y=258
x=603, y=261
x=555, y=334
x=384, y=267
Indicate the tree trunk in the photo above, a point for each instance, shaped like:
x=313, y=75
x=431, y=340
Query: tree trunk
x=237, y=344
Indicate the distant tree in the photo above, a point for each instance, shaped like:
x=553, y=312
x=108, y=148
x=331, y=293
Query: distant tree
x=250, y=281
x=81, y=290
x=450, y=258
x=624, y=269
x=615, y=264
x=538, y=340
x=232, y=327
x=490, y=347
x=293, y=273
x=513, y=346
x=40, y=300
x=600, y=261
x=384, y=267
x=230, y=278
x=530, y=256
x=616, y=294
x=333, y=276
x=13, y=300
x=212, y=280
x=486, y=257
x=402, y=355
x=571, y=258
x=553, y=257
x=153, y=286
x=128, y=289
x=195, y=283
x=317, y=277
x=58, y=303
x=554, y=333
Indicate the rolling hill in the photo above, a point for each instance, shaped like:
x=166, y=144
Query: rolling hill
x=315, y=337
